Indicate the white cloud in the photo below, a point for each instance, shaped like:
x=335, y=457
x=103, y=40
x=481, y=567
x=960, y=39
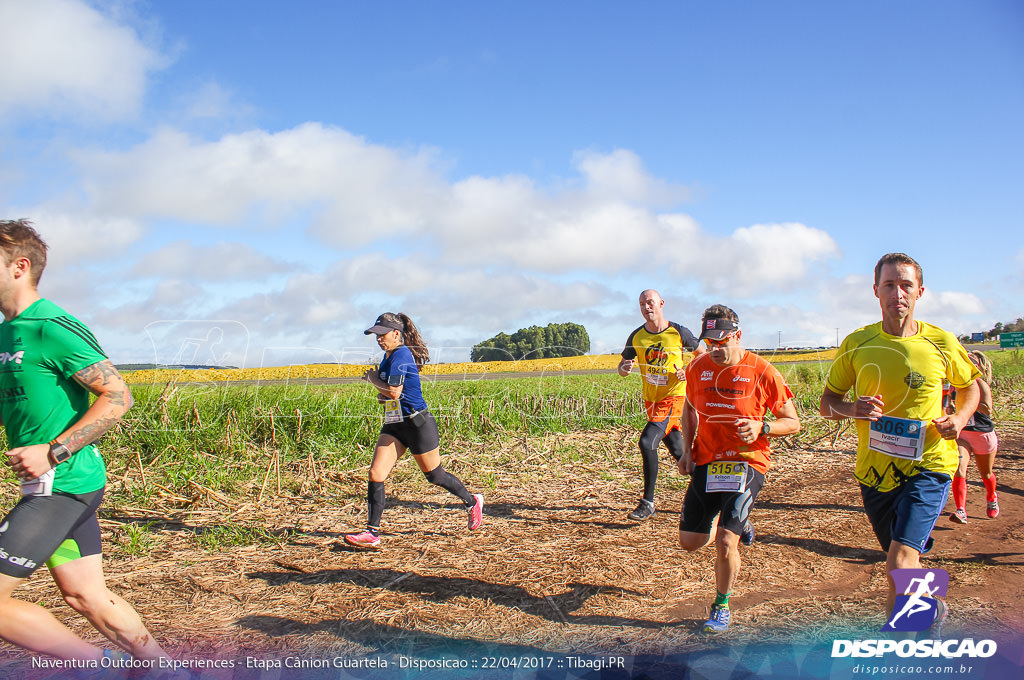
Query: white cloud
x=167, y=298
x=331, y=308
x=449, y=296
x=67, y=58
x=606, y=224
x=955, y=311
x=81, y=239
x=757, y=259
x=470, y=257
x=621, y=175
x=361, y=191
x=212, y=102
x=357, y=193
x=219, y=262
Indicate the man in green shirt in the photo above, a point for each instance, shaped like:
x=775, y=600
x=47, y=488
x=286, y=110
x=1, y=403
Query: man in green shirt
x=49, y=364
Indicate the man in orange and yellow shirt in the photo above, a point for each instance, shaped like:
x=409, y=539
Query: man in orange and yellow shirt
x=658, y=349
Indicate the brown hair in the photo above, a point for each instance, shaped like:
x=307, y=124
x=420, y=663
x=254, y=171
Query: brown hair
x=898, y=258
x=19, y=239
x=719, y=312
x=983, y=363
x=411, y=337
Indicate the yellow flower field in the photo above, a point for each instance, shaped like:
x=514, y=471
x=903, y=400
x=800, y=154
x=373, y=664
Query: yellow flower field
x=320, y=371
x=788, y=356
x=328, y=371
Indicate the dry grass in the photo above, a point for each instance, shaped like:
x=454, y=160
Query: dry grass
x=556, y=567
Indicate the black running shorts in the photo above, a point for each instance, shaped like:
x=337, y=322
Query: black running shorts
x=700, y=506
x=52, y=529
x=417, y=432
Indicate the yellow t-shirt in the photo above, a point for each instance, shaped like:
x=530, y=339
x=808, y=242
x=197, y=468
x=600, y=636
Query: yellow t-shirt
x=908, y=373
x=658, y=355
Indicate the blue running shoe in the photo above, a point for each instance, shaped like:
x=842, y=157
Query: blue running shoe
x=718, y=622
x=941, y=613
x=747, y=535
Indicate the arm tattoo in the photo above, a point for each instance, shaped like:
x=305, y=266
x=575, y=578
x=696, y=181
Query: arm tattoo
x=95, y=377
x=80, y=437
x=113, y=399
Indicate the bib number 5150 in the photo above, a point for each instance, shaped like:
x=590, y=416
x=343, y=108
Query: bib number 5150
x=726, y=476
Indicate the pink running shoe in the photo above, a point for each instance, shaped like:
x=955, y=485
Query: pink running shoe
x=993, y=507
x=366, y=539
x=476, y=512
x=960, y=516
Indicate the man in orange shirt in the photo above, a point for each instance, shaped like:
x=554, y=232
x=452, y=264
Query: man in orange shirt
x=725, y=445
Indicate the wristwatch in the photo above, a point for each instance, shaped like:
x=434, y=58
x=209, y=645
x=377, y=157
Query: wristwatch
x=766, y=427
x=58, y=452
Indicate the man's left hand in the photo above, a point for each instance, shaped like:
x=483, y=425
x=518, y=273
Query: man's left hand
x=748, y=430
x=29, y=462
x=948, y=426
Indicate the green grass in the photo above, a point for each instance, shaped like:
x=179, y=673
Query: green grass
x=225, y=438
x=1006, y=363
x=239, y=441
x=217, y=537
x=134, y=540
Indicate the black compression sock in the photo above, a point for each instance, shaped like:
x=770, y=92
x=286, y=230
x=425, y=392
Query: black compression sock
x=450, y=483
x=375, y=500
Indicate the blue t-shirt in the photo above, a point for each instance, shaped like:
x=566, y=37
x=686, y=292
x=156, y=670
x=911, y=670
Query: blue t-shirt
x=399, y=368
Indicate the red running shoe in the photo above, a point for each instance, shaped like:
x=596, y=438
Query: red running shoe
x=366, y=539
x=476, y=512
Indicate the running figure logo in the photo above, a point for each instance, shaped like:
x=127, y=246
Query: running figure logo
x=656, y=355
x=916, y=606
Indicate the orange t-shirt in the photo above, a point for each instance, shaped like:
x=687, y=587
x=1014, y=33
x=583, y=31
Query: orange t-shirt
x=721, y=394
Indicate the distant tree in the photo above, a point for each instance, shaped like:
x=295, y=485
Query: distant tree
x=1000, y=328
x=534, y=342
x=495, y=349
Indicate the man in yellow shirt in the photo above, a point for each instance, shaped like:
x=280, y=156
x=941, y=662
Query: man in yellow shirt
x=906, y=453
x=657, y=349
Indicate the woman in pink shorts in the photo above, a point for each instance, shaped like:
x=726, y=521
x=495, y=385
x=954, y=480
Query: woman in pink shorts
x=978, y=438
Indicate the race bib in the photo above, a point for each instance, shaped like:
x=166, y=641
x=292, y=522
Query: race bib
x=898, y=437
x=40, y=486
x=656, y=379
x=726, y=476
x=392, y=411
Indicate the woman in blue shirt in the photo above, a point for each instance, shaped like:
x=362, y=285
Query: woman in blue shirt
x=408, y=424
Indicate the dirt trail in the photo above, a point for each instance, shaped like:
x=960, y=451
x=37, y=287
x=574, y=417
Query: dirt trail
x=556, y=568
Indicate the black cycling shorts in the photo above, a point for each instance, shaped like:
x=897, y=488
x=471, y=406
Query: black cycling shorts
x=700, y=506
x=52, y=529
x=417, y=432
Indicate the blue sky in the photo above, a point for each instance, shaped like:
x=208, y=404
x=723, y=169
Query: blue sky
x=259, y=181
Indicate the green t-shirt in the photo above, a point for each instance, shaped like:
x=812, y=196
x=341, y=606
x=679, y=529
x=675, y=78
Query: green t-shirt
x=40, y=351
